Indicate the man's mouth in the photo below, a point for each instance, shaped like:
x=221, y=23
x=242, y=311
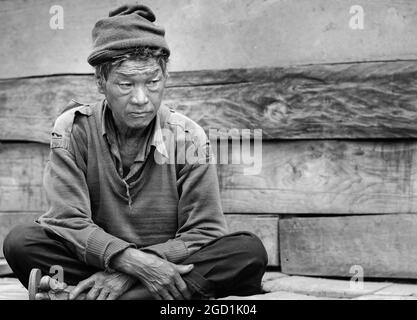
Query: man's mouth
x=139, y=114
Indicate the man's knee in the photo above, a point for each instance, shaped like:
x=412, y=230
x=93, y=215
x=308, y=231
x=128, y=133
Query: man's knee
x=15, y=244
x=252, y=248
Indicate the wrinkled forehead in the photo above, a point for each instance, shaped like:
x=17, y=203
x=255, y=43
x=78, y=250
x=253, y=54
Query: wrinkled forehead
x=148, y=67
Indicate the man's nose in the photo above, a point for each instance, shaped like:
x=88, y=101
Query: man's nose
x=139, y=96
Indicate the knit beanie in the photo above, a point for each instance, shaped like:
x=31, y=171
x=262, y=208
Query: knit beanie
x=126, y=28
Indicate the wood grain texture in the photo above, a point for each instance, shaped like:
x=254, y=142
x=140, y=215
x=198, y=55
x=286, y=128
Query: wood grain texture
x=332, y=177
x=21, y=174
x=245, y=33
x=384, y=246
x=265, y=227
x=298, y=177
x=360, y=100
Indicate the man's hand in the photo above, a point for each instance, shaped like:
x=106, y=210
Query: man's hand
x=104, y=286
x=162, y=278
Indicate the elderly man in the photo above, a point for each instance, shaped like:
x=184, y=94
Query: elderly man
x=129, y=219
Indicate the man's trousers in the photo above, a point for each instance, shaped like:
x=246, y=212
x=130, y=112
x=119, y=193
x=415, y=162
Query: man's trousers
x=230, y=265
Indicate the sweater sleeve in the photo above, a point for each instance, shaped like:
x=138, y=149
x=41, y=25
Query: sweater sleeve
x=200, y=216
x=69, y=214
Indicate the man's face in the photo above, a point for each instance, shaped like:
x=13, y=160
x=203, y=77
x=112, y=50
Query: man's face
x=134, y=92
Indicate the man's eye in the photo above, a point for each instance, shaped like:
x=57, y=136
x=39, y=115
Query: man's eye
x=154, y=82
x=125, y=85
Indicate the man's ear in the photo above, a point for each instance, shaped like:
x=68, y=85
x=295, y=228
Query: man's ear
x=100, y=85
x=166, y=76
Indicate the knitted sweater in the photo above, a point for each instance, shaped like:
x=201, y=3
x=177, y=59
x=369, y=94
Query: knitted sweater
x=169, y=208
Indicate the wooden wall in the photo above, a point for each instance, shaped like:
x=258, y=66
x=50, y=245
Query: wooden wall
x=221, y=35
x=337, y=108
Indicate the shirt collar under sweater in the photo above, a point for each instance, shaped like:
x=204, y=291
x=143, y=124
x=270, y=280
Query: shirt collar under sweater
x=154, y=136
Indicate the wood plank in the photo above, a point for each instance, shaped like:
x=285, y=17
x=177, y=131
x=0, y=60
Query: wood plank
x=8, y=220
x=22, y=163
x=299, y=177
x=362, y=100
x=383, y=245
x=246, y=33
x=265, y=227
x=21, y=175
x=332, y=177
x=23, y=198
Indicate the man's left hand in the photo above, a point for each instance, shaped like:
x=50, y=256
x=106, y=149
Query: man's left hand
x=104, y=286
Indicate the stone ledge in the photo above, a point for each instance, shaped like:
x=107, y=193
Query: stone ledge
x=384, y=297
x=321, y=287
x=277, y=295
x=398, y=289
x=12, y=289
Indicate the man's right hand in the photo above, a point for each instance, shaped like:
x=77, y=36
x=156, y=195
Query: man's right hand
x=162, y=278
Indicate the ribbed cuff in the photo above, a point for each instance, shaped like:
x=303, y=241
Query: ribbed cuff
x=174, y=251
x=101, y=247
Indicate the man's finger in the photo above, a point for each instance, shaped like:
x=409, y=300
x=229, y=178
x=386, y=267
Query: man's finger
x=182, y=287
x=154, y=292
x=47, y=283
x=55, y=285
x=93, y=293
x=82, y=286
x=112, y=296
x=157, y=296
x=103, y=295
x=175, y=293
x=42, y=296
x=44, y=283
x=183, y=269
x=165, y=295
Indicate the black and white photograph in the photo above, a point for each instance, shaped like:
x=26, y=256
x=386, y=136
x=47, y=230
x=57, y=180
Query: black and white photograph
x=226, y=151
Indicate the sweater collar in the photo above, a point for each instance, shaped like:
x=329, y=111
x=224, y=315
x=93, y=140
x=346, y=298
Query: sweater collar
x=156, y=137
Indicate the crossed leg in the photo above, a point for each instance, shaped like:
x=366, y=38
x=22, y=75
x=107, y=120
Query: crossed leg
x=230, y=265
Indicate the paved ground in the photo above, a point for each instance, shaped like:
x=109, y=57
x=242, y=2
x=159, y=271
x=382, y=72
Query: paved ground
x=11, y=289
x=278, y=286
